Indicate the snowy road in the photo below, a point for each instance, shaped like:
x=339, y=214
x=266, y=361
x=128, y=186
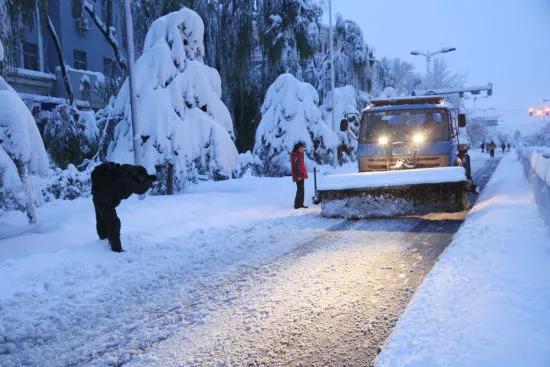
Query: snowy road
x=261, y=285
x=332, y=301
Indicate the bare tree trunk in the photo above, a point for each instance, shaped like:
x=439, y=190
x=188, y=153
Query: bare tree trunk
x=66, y=81
x=121, y=60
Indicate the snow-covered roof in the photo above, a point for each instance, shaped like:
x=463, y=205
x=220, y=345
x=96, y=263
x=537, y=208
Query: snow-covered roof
x=34, y=74
x=49, y=99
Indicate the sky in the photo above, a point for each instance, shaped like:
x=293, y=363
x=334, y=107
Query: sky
x=506, y=42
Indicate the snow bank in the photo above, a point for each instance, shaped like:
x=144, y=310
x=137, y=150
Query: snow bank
x=345, y=103
x=183, y=120
x=536, y=163
x=391, y=178
x=486, y=301
x=289, y=115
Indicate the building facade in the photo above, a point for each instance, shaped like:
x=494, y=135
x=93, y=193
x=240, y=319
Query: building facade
x=89, y=57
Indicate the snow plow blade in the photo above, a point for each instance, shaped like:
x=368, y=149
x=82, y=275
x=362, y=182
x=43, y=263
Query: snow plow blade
x=393, y=193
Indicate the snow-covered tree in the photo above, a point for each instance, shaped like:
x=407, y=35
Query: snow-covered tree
x=345, y=102
x=290, y=114
x=440, y=76
x=183, y=120
x=22, y=152
x=477, y=132
x=355, y=56
x=70, y=135
x=289, y=33
x=5, y=26
x=398, y=75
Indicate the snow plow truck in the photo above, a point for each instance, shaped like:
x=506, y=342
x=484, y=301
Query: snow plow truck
x=407, y=158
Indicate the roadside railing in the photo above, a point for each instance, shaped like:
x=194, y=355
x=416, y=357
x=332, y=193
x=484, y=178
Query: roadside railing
x=536, y=165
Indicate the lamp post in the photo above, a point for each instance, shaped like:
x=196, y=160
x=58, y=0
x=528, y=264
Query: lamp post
x=132, y=82
x=332, y=71
x=428, y=55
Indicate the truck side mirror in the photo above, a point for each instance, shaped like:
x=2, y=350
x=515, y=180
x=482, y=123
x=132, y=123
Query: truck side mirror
x=344, y=124
x=461, y=120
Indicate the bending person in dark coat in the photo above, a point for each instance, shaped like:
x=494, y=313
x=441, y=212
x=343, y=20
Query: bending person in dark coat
x=112, y=183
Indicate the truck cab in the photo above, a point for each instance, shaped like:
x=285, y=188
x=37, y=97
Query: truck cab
x=408, y=133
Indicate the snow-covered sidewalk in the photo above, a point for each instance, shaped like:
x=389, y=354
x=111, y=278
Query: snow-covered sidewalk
x=65, y=298
x=487, y=301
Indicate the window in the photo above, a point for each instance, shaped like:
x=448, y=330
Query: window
x=80, y=60
x=107, y=12
x=400, y=125
x=30, y=56
x=109, y=68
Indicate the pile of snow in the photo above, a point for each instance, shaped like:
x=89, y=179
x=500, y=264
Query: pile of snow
x=345, y=104
x=22, y=152
x=391, y=178
x=183, y=120
x=536, y=163
x=388, y=92
x=486, y=301
x=290, y=114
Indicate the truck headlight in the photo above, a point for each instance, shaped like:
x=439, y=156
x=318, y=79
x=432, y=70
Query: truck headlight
x=418, y=138
x=383, y=140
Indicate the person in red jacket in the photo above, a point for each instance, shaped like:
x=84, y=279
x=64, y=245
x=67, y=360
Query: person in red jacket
x=299, y=173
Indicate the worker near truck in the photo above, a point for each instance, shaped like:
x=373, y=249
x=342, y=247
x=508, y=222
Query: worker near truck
x=299, y=173
x=492, y=147
x=463, y=159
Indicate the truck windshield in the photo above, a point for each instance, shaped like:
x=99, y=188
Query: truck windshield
x=401, y=125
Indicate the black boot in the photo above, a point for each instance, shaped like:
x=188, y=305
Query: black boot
x=116, y=246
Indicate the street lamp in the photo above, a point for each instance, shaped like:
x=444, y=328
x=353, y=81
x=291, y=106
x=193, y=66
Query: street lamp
x=428, y=55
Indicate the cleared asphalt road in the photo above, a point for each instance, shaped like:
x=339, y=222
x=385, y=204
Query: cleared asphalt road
x=333, y=301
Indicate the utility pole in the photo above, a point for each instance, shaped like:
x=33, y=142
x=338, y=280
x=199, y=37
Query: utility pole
x=40, y=40
x=332, y=71
x=131, y=78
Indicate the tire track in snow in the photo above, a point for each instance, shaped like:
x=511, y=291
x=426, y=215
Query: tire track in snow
x=282, y=318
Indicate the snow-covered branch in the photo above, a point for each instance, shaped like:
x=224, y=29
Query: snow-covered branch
x=110, y=35
x=66, y=81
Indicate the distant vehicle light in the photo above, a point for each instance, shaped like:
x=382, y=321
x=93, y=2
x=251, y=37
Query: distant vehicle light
x=418, y=138
x=539, y=113
x=547, y=111
x=531, y=111
x=383, y=140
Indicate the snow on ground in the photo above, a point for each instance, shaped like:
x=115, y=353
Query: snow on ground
x=486, y=301
x=67, y=299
